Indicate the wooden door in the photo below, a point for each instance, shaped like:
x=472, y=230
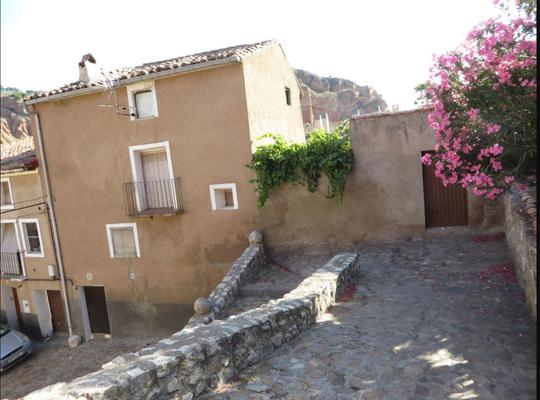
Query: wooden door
x=58, y=316
x=17, y=308
x=444, y=206
x=96, y=305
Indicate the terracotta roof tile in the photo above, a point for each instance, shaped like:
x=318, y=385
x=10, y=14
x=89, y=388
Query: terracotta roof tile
x=17, y=155
x=148, y=68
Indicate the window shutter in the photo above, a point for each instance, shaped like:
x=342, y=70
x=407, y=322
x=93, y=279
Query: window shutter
x=8, y=238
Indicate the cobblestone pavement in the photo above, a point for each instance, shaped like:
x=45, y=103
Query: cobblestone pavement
x=441, y=318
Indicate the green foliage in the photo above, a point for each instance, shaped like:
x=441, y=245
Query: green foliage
x=15, y=93
x=325, y=152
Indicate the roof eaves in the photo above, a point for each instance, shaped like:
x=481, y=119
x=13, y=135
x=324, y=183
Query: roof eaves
x=175, y=71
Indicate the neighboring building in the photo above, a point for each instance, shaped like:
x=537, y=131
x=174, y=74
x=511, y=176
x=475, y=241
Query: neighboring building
x=389, y=194
x=147, y=168
x=30, y=291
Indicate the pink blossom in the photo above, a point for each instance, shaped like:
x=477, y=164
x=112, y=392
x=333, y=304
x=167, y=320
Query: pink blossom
x=496, y=165
x=426, y=159
x=499, y=56
x=496, y=149
x=473, y=113
x=509, y=179
x=474, y=34
x=492, y=128
x=479, y=192
x=466, y=148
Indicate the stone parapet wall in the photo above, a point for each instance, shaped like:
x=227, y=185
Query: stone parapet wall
x=224, y=294
x=201, y=358
x=520, y=235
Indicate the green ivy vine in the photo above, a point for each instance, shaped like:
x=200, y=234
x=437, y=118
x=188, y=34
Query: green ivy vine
x=304, y=163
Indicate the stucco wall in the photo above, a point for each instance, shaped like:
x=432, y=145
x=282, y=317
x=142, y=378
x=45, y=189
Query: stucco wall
x=29, y=198
x=267, y=74
x=204, y=117
x=29, y=203
x=31, y=325
x=384, y=195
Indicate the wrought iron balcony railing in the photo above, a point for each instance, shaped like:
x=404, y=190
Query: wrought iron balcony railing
x=152, y=198
x=11, y=264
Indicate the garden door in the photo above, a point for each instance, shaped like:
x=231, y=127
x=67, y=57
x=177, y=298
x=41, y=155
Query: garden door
x=444, y=206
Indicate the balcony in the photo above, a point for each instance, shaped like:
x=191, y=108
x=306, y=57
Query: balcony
x=11, y=265
x=152, y=198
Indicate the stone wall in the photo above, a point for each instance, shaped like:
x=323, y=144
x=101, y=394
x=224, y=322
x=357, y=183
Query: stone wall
x=521, y=239
x=221, y=298
x=197, y=359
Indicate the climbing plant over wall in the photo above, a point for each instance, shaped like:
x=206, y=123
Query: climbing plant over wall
x=325, y=152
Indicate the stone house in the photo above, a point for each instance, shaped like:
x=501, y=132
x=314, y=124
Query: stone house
x=30, y=290
x=147, y=169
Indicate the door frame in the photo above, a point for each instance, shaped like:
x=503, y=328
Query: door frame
x=85, y=317
x=106, y=310
x=43, y=312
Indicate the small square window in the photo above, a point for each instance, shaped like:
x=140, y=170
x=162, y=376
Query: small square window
x=144, y=104
x=142, y=100
x=288, y=96
x=123, y=240
x=31, y=237
x=6, y=198
x=224, y=197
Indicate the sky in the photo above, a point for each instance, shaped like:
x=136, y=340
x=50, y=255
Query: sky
x=386, y=44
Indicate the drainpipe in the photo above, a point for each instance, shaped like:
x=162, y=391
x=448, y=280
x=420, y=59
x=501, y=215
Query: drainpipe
x=73, y=340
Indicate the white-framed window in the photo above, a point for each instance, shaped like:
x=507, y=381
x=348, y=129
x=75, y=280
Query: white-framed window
x=142, y=100
x=123, y=240
x=223, y=196
x=31, y=237
x=151, y=167
x=6, y=195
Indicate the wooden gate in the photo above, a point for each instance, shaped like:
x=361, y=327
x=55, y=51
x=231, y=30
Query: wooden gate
x=444, y=206
x=97, y=309
x=58, y=316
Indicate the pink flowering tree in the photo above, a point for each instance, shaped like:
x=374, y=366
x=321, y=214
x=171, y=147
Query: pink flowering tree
x=483, y=96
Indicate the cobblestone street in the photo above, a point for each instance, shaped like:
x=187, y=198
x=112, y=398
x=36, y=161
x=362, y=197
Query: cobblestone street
x=441, y=318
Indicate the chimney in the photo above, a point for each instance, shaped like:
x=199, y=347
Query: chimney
x=88, y=70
